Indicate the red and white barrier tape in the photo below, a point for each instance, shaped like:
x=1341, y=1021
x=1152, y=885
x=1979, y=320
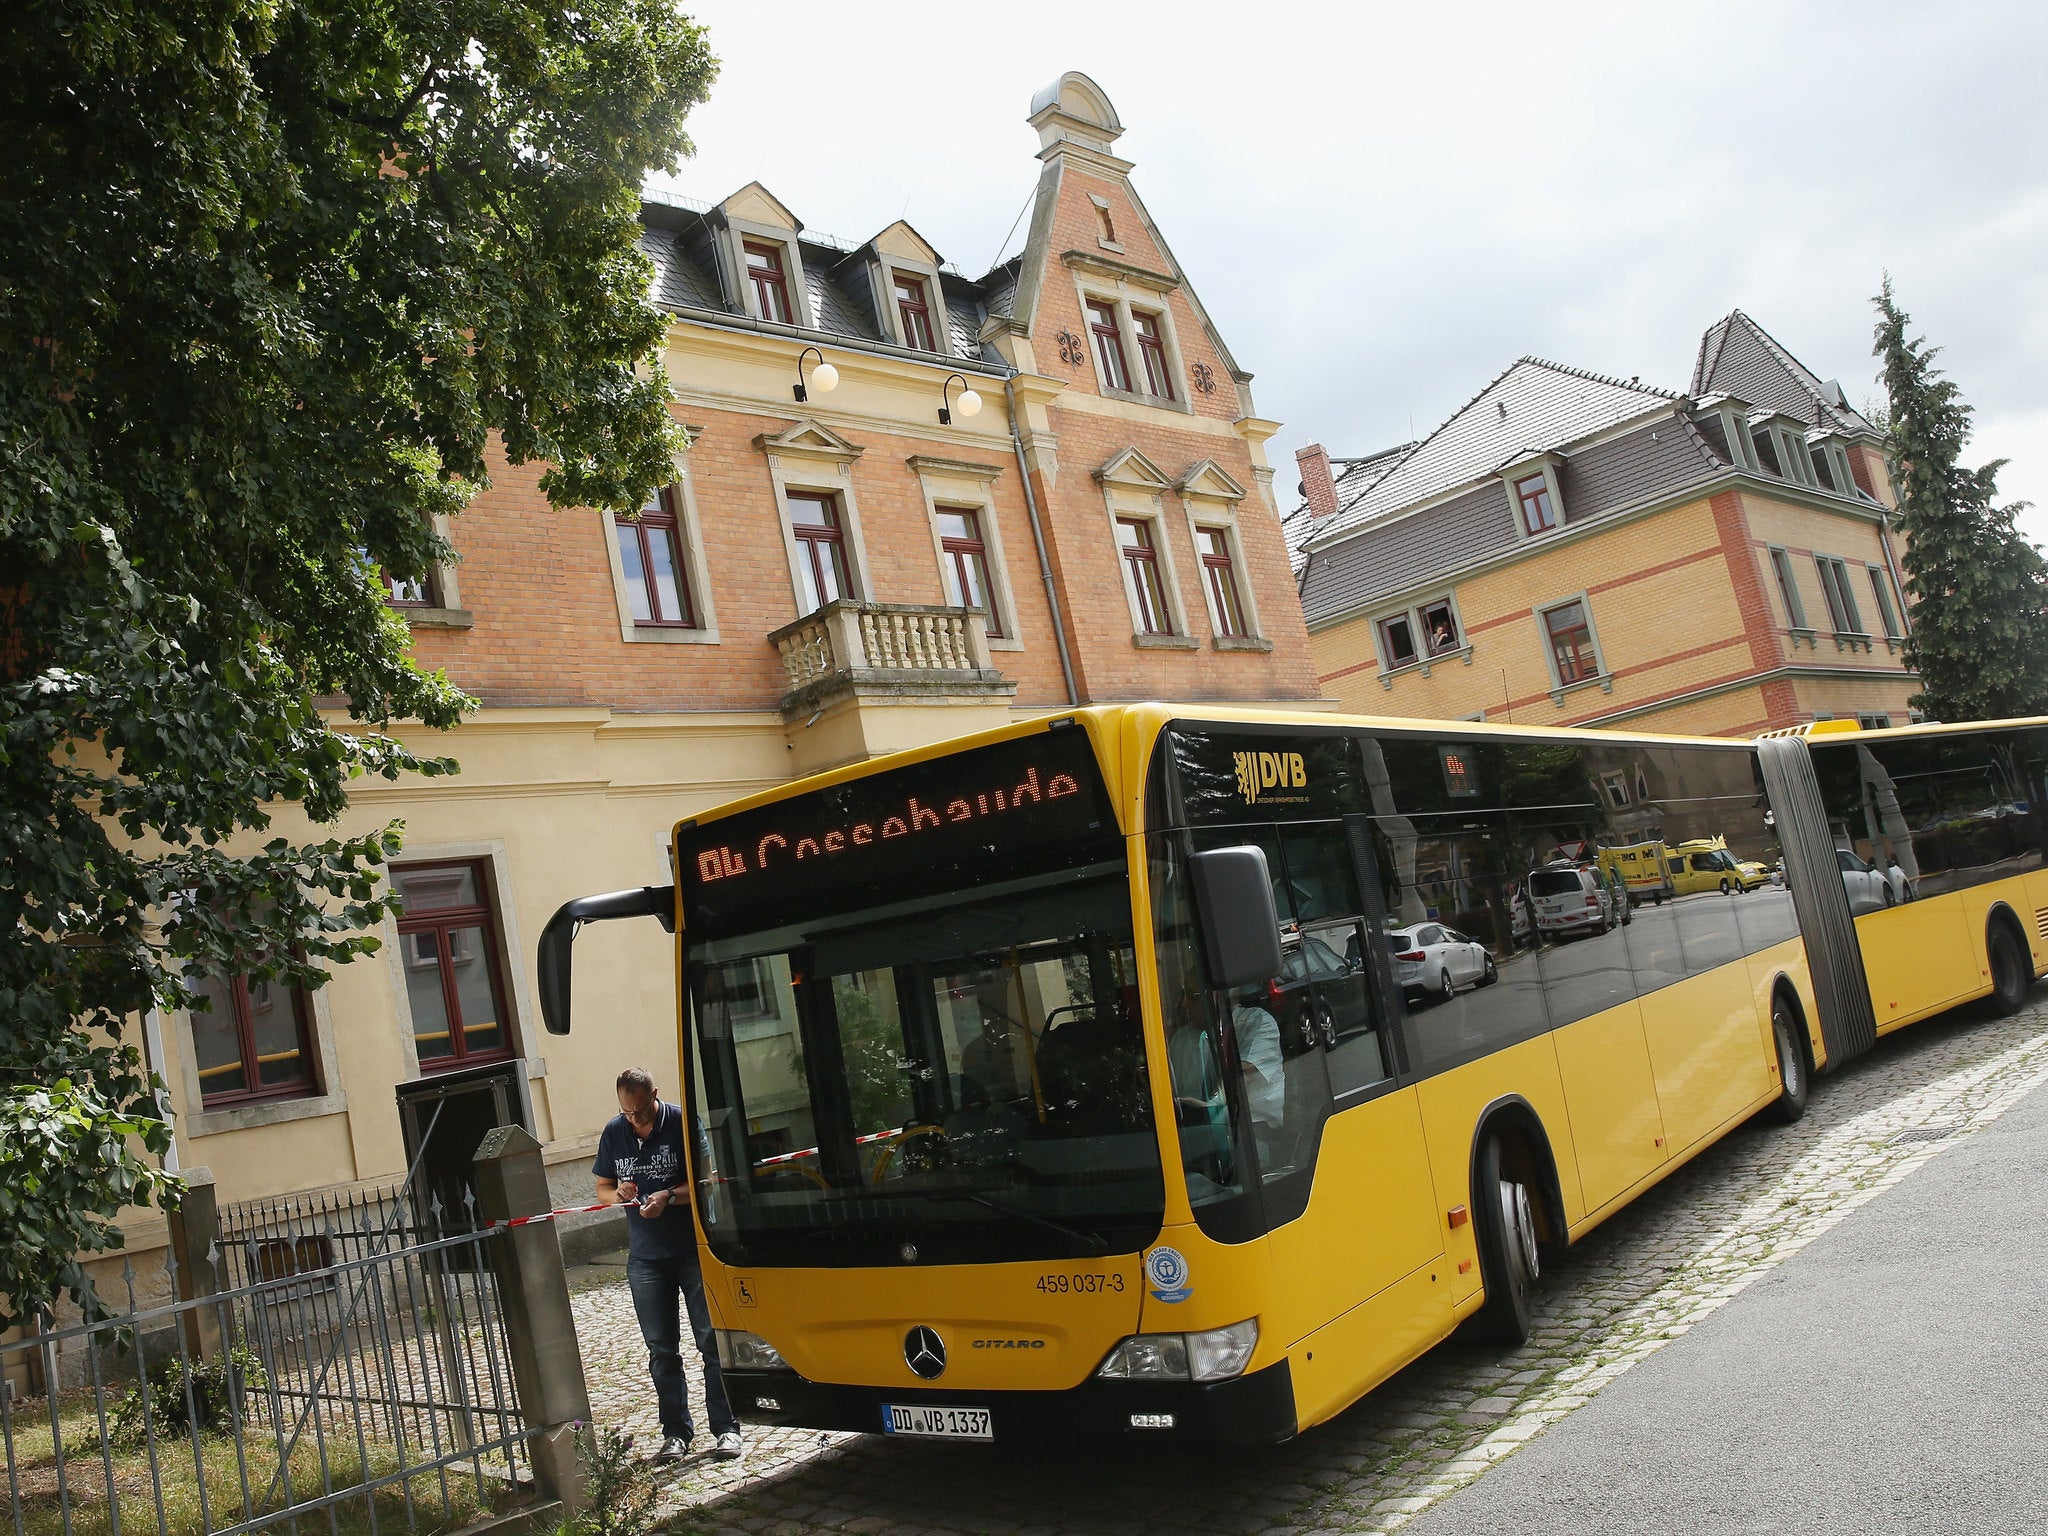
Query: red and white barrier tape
x=567, y=1210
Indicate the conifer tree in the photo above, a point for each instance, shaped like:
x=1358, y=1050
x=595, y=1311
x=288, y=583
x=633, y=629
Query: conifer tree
x=1979, y=590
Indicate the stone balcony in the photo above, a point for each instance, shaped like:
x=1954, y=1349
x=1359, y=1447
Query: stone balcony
x=851, y=660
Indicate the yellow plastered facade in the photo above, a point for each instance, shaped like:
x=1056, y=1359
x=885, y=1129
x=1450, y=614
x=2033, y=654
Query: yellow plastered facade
x=1690, y=627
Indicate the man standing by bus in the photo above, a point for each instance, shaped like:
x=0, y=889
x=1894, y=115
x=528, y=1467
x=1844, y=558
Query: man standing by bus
x=640, y=1163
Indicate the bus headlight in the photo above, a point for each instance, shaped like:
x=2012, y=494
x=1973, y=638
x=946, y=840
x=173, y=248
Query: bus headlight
x=1215, y=1355
x=1221, y=1353
x=739, y=1351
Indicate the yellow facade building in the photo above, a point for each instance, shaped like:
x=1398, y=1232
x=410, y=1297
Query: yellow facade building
x=1580, y=550
x=915, y=503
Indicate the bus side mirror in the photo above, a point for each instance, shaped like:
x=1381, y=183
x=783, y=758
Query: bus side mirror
x=557, y=939
x=1240, y=925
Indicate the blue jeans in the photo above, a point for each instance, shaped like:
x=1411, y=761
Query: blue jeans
x=656, y=1284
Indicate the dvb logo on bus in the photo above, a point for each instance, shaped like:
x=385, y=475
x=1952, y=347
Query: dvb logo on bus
x=1258, y=772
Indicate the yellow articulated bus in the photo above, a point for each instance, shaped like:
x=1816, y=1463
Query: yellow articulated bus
x=1063, y=1078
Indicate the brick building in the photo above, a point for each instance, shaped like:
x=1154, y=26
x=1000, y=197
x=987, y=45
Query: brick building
x=1578, y=550
x=841, y=567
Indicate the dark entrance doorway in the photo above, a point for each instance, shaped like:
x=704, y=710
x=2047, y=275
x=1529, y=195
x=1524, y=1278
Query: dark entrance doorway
x=444, y=1117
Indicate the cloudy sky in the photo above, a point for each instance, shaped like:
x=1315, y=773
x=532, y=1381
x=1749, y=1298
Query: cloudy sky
x=1383, y=206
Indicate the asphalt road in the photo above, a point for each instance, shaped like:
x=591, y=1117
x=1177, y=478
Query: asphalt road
x=1891, y=1376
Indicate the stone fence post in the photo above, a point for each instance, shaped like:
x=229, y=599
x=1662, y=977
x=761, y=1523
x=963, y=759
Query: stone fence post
x=540, y=1329
x=195, y=1245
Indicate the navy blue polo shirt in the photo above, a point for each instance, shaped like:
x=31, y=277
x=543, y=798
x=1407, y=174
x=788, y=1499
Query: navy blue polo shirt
x=652, y=1163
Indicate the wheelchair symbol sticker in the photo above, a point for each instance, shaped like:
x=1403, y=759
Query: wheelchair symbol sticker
x=743, y=1291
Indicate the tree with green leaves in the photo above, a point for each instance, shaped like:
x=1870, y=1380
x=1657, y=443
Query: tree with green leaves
x=276, y=276
x=1979, y=590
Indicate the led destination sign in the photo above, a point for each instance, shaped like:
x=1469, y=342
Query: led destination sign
x=996, y=813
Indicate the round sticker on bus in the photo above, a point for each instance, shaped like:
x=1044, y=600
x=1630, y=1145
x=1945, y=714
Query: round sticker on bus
x=1168, y=1272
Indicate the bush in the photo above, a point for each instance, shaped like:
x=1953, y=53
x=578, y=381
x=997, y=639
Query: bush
x=619, y=1496
x=217, y=1399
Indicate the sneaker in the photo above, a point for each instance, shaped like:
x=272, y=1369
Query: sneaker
x=728, y=1446
x=674, y=1448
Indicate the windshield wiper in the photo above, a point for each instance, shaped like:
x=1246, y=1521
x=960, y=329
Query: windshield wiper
x=1090, y=1243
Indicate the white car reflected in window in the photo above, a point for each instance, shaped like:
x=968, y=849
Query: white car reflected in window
x=1869, y=891
x=1433, y=961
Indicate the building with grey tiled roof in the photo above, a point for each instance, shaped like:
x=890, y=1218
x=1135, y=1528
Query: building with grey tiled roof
x=1523, y=559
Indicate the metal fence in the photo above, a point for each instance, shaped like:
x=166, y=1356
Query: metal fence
x=286, y=1235
x=370, y=1389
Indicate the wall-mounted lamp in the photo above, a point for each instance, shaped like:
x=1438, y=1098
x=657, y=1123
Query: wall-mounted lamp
x=825, y=376
x=969, y=402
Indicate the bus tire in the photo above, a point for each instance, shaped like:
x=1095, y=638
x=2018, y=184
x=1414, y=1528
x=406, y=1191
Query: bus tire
x=2011, y=971
x=1793, y=1079
x=1509, y=1262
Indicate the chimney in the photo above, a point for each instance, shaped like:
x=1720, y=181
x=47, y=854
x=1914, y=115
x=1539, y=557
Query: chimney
x=1316, y=484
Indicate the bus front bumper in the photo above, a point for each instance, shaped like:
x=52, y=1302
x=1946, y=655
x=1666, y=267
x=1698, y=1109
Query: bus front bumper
x=1254, y=1409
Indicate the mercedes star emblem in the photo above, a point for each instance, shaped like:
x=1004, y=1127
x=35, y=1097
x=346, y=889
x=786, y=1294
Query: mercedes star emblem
x=925, y=1352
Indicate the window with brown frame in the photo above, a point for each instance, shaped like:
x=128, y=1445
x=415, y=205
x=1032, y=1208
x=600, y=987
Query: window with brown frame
x=1439, y=627
x=820, y=548
x=915, y=312
x=1141, y=559
x=1538, y=514
x=1109, y=346
x=1152, y=349
x=448, y=938
x=1397, y=642
x=651, y=556
x=254, y=1041
x=966, y=567
x=1220, y=571
x=1571, y=642
x=771, y=283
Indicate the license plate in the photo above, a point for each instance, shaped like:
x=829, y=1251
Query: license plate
x=937, y=1423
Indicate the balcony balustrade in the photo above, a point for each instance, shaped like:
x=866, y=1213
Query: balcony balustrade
x=882, y=651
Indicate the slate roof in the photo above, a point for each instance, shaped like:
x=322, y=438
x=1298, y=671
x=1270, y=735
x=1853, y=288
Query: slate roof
x=1739, y=357
x=1398, y=555
x=1377, y=549
x=675, y=238
x=1352, y=477
x=679, y=283
x=1532, y=406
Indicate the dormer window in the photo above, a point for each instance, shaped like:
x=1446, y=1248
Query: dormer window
x=1532, y=496
x=915, y=312
x=1152, y=349
x=1109, y=346
x=765, y=269
x=1766, y=451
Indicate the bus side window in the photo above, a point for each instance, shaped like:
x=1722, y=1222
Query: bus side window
x=1346, y=1008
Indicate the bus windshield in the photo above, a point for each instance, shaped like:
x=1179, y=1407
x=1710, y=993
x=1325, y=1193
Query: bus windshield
x=956, y=1074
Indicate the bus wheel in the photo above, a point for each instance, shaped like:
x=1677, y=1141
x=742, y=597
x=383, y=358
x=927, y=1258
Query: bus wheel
x=1792, y=1078
x=2011, y=975
x=1508, y=1261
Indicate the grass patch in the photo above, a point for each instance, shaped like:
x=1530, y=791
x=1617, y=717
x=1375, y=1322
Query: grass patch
x=440, y=1499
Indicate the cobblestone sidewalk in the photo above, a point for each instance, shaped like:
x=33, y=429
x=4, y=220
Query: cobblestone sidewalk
x=1632, y=1286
